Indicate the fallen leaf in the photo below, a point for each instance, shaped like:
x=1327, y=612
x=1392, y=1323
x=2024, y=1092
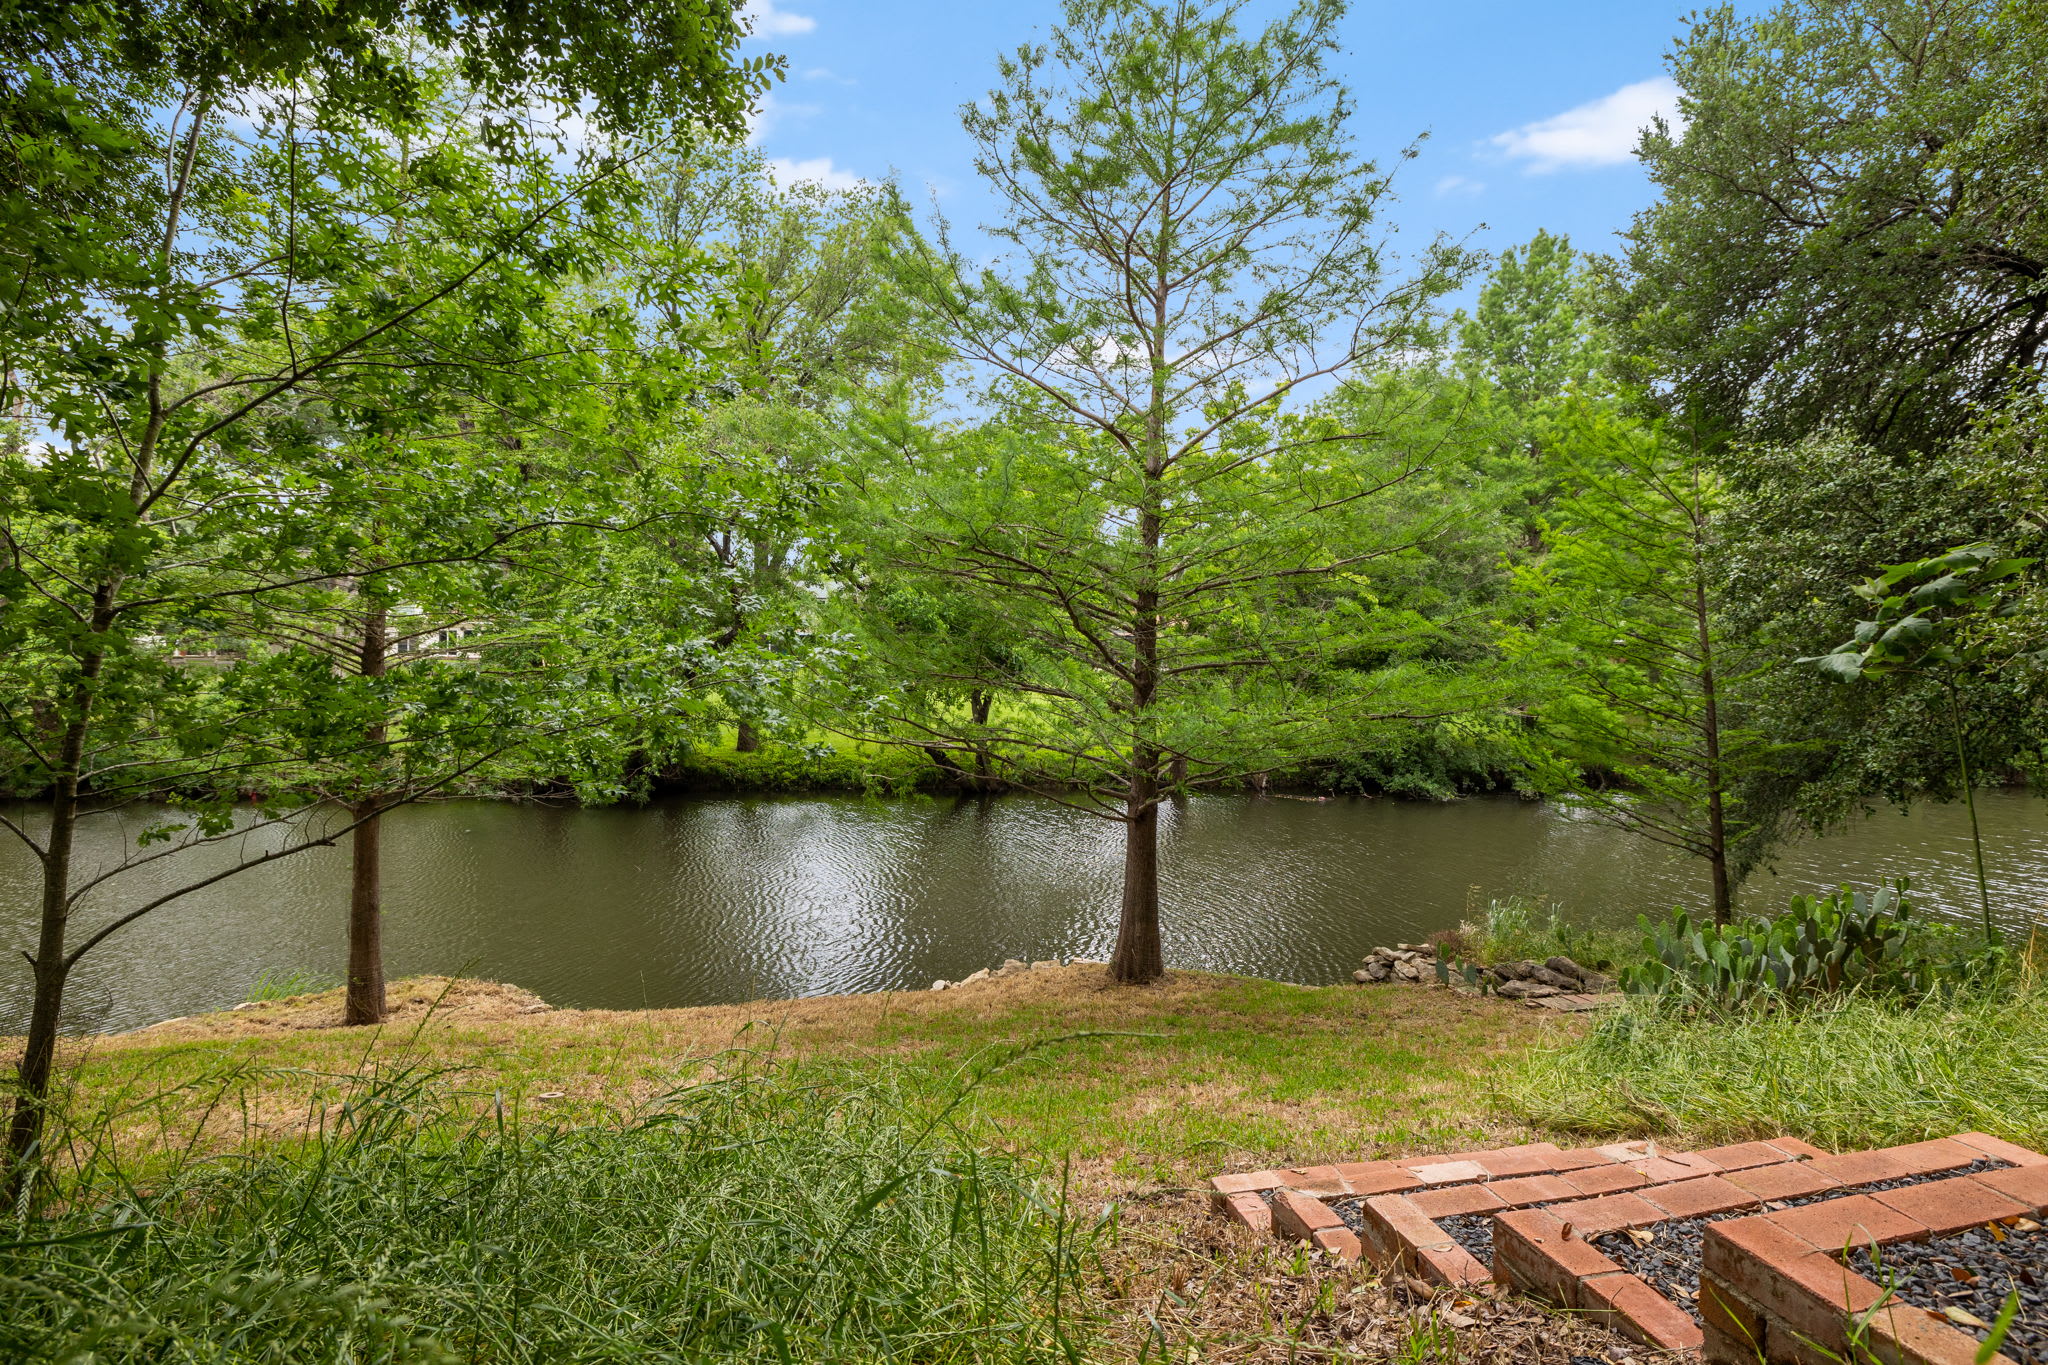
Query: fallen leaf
x=1963, y=1317
x=1961, y=1276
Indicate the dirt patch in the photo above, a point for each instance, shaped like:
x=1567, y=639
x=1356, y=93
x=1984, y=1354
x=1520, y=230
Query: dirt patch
x=411, y=1002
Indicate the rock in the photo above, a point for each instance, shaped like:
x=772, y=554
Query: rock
x=1552, y=978
x=1565, y=966
x=1408, y=971
x=1011, y=966
x=1041, y=966
x=1386, y=954
x=1379, y=971
x=1526, y=990
x=535, y=1009
x=1361, y=976
x=940, y=985
x=972, y=977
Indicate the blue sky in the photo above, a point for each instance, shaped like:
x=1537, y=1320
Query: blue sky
x=1529, y=107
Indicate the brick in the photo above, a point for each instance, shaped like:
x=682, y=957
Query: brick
x=2028, y=1184
x=1740, y=1156
x=1998, y=1149
x=1927, y=1158
x=1899, y=1331
x=1362, y=1170
x=1579, y=1158
x=1798, y=1147
x=1789, y=1180
x=1590, y=1217
x=1340, y=1242
x=1458, y=1199
x=1321, y=1181
x=1541, y=1235
x=1863, y=1168
x=1297, y=1216
x=1408, y=1227
x=1659, y=1171
x=1698, y=1198
x=1250, y=1211
x=1448, y=1172
x=1534, y=1158
x=1252, y=1180
x=1524, y=1191
x=1947, y=1206
x=1640, y=1311
x=1728, y=1313
x=1851, y=1220
x=1605, y=1179
x=1451, y=1265
x=1390, y=1181
x=1806, y=1291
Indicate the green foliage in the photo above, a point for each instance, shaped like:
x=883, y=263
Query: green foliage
x=1622, y=628
x=756, y=1214
x=803, y=768
x=1848, y=1072
x=1845, y=235
x=1916, y=609
x=1847, y=941
x=1513, y=929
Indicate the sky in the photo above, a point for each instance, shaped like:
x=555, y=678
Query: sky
x=1530, y=109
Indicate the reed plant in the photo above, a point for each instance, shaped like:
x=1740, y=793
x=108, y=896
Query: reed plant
x=762, y=1213
x=1853, y=1071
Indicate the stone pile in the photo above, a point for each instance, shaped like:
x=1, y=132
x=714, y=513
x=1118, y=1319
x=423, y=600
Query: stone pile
x=1510, y=980
x=1012, y=967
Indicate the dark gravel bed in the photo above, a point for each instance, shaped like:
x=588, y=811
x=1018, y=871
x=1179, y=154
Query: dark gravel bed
x=1967, y=1277
x=1472, y=1231
x=1669, y=1261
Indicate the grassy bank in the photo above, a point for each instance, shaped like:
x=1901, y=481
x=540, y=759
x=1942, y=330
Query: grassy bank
x=1849, y=1073
x=996, y=1172
x=1169, y=1083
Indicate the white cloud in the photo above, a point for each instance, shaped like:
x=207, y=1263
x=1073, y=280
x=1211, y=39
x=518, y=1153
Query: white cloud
x=826, y=73
x=815, y=170
x=768, y=113
x=1458, y=184
x=1600, y=133
x=764, y=20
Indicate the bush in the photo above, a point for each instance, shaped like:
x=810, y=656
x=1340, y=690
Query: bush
x=1820, y=945
x=759, y=1216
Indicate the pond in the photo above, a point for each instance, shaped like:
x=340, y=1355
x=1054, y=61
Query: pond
x=703, y=901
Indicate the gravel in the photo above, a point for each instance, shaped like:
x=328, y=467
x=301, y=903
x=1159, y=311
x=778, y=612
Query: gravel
x=1472, y=1231
x=1967, y=1277
x=1670, y=1260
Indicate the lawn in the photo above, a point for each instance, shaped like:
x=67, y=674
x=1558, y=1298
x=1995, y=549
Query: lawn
x=1164, y=1084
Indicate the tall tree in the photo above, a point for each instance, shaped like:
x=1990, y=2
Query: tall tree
x=208, y=208
x=1625, y=616
x=1847, y=234
x=1194, y=243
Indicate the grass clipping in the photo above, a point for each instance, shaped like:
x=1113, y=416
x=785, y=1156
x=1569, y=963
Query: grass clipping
x=1855, y=1072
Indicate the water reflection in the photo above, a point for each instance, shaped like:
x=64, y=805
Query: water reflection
x=703, y=901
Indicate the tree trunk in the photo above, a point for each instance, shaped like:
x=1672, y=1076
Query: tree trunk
x=1138, y=957
x=46, y=1012
x=1714, y=778
x=980, y=702
x=364, y=999
x=746, y=740
x=1177, y=774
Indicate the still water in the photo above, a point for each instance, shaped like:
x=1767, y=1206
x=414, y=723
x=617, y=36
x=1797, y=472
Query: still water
x=706, y=901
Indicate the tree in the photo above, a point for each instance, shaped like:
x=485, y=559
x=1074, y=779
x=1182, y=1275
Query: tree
x=1195, y=244
x=1922, y=624
x=1625, y=617
x=185, y=278
x=1846, y=236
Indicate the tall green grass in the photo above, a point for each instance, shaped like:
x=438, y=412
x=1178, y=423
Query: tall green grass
x=1854, y=1072
x=765, y=1214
